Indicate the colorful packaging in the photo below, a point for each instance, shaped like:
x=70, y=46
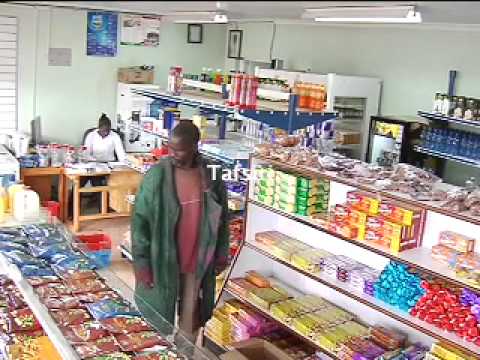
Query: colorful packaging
x=398, y=212
x=457, y=242
x=363, y=201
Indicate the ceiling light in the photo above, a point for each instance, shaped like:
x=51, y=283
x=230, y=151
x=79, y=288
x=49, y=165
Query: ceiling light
x=367, y=14
x=196, y=17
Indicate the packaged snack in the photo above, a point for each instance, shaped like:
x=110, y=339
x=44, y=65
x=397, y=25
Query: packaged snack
x=87, y=285
x=268, y=200
x=457, y=242
x=399, y=213
x=22, y=320
x=103, y=346
x=445, y=254
x=39, y=348
x=312, y=209
x=63, y=303
x=289, y=208
x=287, y=310
x=72, y=265
x=285, y=198
x=38, y=271
x=70, y=317
x=98, y=296
x=241, y=286
x=52, y=290
x=312, y=303
x=79, y=275
x=10, y=245
x=311, y=260
x=265, y=191
x=363, y=202
x=268, y=238
x=388, y=339
x=125, y=324
x=21, y=258
x=86, y=332
x=110, y=308
x=112, y=356
x=141, y=340
x=160, y=355
x=46, y=251
x=15, y=301
x=257, y=279
x=42, y=280
x=264, y=297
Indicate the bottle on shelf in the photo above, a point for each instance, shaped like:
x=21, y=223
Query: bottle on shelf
x=203, y=75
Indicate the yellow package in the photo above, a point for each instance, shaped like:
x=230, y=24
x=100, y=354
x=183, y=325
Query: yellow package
x=310, y=260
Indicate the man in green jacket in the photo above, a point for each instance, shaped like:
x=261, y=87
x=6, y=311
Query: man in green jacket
x=180, y=236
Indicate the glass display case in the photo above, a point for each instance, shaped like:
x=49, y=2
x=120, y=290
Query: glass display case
x=178, y=347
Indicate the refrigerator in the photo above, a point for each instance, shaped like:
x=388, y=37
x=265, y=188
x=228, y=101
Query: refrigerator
x=355, y=98
x=392, y=140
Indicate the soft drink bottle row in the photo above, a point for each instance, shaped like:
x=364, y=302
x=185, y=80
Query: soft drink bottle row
x=452, y=142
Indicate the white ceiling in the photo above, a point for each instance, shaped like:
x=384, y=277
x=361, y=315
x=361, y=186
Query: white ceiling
x=433, y=12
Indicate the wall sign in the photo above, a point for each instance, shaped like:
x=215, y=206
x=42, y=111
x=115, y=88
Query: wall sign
x=140, y=30
x=102, y=28
x=235, y=44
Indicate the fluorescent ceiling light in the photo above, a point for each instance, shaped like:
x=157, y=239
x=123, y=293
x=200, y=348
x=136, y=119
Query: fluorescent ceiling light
x=199, y=17
x=367, y=14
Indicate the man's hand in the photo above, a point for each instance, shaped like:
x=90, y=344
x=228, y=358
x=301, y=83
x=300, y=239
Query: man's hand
x=144, y=276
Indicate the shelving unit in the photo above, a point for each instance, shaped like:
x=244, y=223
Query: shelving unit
x=254, y=256
x=288, y=117
x=449, y=119
x=446, y=156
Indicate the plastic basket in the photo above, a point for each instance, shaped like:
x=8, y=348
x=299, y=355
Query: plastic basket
x=96, y=242
x=53, y=208
x=101, y=258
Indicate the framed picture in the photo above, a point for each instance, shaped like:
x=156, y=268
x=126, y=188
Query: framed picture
x=235, y=44
x=195, y=33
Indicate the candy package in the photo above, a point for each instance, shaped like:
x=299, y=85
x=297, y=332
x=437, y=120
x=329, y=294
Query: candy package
x=42, y=280
x=37, y=271
x=63, y=303
x=125, y=324
x=257, y=279
x=70, y=317
x=22, y=320
x=15, y=301
x=52, y=290
x=87, y=285
x=98, y=296
x=47, y=251
x=457, y=242
x=160, y=355
x=71, y=265
x=11, y=245
x=86, y=332
x=21, y=258
x=141, y=340
x=112, y=356
x=103, y=346
x=386, y=338
x=110, y=308
x=79, y=275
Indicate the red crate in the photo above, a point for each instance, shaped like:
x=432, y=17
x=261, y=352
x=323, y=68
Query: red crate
x=95, y=242
x=53, y=208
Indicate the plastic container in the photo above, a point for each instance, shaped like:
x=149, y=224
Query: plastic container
x=11, y=194
x=3, y=203
x=175, y=79
x=53, y=208
x=98, y=248
x=26, y=205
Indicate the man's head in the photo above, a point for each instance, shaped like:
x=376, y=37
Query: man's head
x=183, y=143
x=104, y=126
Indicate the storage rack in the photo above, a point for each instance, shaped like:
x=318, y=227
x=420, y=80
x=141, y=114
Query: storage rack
x=270, y=113
x=305, y=228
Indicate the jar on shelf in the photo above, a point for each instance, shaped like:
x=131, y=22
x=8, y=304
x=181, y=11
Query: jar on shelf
x=55, y=157
x=69, y=157
x=43, y=156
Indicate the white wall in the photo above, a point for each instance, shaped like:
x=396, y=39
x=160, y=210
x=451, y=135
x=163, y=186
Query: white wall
x=412, y=62
x=70, y=99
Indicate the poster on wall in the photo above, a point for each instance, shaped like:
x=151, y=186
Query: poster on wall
x=102, y=36
x=140, y=30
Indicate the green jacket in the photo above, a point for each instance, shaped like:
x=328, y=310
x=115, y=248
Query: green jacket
x=154, y=243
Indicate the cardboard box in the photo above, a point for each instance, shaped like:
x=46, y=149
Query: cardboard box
x=255, y=349
x=343, y=137
x=135, y=75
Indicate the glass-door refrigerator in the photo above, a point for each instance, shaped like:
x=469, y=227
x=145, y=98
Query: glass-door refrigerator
x=392, y=140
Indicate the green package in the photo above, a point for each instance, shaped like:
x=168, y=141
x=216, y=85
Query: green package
x=265, y=191
x=285, y=197
x=264, y=199
x=289, y=208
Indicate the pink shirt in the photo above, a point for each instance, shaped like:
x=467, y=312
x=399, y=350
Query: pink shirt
x=189, y=192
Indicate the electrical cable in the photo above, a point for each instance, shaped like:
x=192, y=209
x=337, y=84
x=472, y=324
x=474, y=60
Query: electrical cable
x=274, y=32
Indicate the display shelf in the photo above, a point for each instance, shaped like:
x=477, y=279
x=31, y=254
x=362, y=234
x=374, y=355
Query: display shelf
x=221, y=348
x=283, y=326
x=434, y=206
x=374, y=303
x=40, y=311
x=442, y=155
x=449, y=119
x=273, y=114
x=417, y=258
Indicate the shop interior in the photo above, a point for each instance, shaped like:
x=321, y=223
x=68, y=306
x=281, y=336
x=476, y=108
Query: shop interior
x=347, y=138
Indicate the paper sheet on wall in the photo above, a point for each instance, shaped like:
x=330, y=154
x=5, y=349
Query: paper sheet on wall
x=140, y=30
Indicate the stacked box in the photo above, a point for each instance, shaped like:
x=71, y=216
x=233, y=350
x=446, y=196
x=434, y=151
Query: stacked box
x=265, y=185
x=285, y=192
x=312, y=196
x=389, y=224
